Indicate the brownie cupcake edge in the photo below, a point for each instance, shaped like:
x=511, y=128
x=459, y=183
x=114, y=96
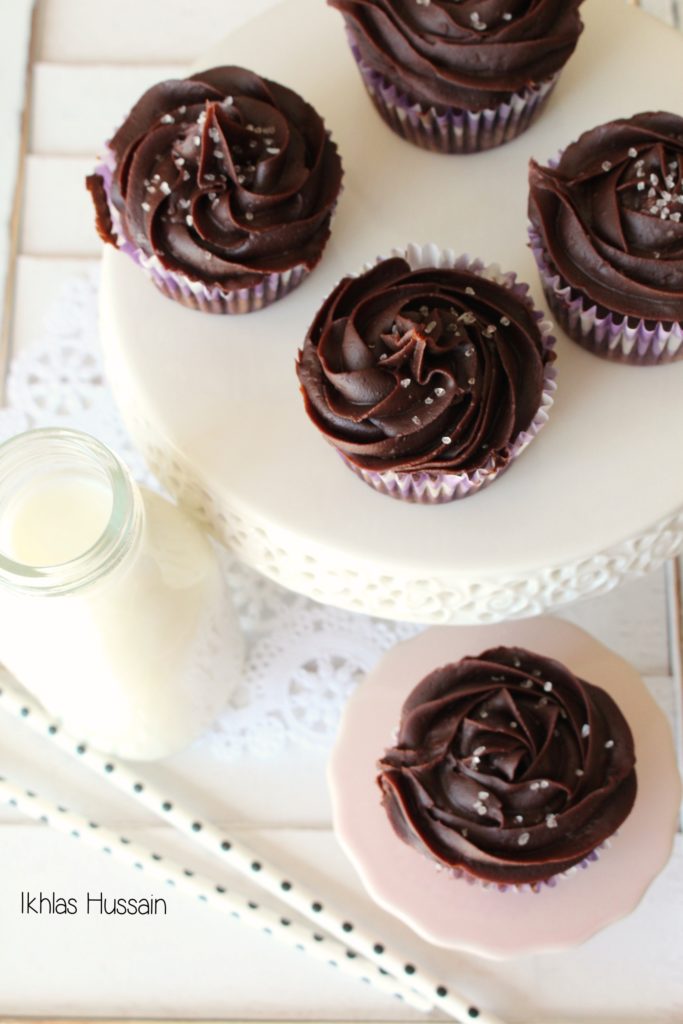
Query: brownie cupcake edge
x=436, y=483
x=221, y=187
x=454, y=83
x=607, y=238
x=508, y=770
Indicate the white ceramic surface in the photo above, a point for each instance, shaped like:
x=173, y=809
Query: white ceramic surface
x=450, y=912
x=215, y=403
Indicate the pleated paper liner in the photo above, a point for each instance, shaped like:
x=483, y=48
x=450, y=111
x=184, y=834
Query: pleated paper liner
x=429, y=487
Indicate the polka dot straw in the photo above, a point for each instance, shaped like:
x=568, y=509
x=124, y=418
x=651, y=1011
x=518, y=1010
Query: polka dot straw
x=240, y=857
x=175, y=876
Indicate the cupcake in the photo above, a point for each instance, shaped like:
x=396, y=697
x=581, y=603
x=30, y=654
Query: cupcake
x=222, y=187
x=607, y=234
x=508, y=769
x=459, y=77
x=428, y=374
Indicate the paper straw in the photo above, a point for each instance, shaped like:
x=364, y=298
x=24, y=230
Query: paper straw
x=248, y=861
x=236, y=905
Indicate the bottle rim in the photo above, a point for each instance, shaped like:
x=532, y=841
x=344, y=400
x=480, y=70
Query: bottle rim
x=38, y=449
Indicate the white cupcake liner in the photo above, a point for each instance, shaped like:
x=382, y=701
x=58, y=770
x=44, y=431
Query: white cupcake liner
x=434, y=487
x=609, y=335
x=193, y=293
x=457, y=130
x=462, y=874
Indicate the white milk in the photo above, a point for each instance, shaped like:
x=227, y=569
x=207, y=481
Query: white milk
x=140, y=657
x=53, y=519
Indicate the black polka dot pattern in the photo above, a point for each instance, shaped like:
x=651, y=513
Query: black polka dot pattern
x=300, y=900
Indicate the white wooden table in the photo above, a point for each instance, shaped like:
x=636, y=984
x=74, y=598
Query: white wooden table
x=87, y=62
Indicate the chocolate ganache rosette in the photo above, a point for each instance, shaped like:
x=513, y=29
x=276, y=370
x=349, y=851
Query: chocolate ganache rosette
x=432, y=67
x=222, y=186
x=508, y=767
x=428, y=378
x=607, y=234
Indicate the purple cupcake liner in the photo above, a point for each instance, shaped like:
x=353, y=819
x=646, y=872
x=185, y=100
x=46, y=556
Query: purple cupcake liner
x=535, y=887
x=456, y=130
x=435, y=488
x=197, y=294
x=608, y=335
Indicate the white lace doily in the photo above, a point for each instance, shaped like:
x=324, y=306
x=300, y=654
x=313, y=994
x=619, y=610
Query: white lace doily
x=303, y=658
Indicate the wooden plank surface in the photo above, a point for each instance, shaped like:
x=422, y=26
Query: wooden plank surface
x=93, y=59
x=14, y=82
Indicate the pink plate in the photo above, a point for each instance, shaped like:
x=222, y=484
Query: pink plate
x=450, y=912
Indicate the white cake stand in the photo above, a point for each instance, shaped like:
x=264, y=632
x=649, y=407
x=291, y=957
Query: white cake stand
x=214, y=401
x=450, y=912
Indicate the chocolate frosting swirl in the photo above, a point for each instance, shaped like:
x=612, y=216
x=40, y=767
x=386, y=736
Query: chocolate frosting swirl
x=610, y=215
x=463, y=53
x=508, y=766
x=224, y=176
x=434, y=369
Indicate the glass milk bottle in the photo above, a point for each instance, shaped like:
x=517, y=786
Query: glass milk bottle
x=113, y=611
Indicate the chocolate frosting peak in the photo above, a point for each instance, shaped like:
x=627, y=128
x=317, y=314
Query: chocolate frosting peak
x=223, y=176
x=509, y=766
x=463, y=53
x=433, y=369
x=610, y=215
